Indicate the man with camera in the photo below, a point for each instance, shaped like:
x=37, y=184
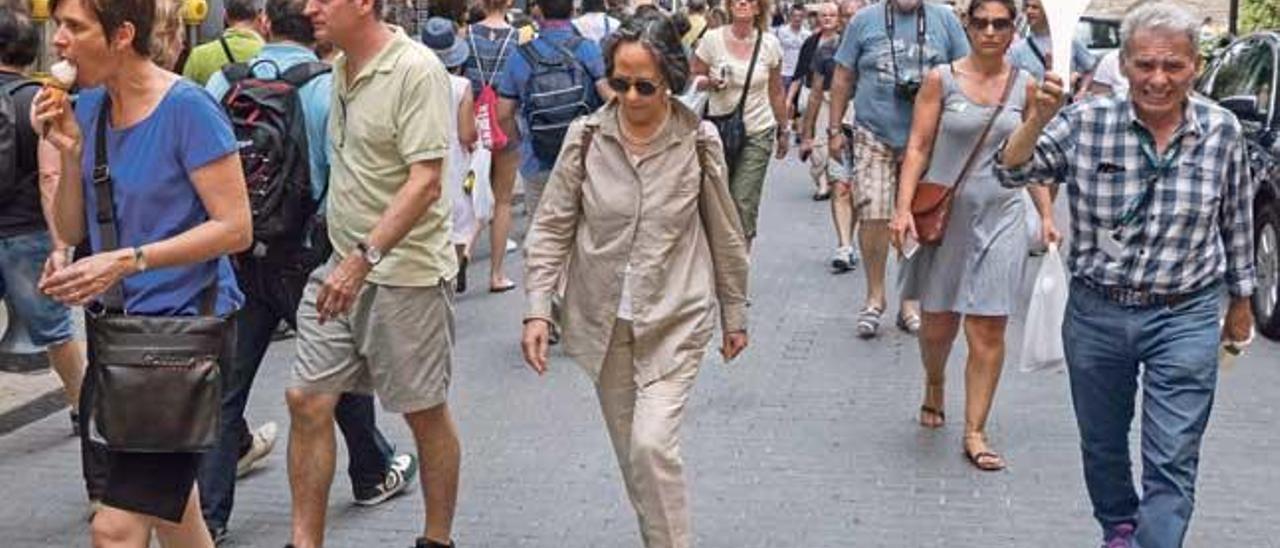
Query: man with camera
x=891, y=45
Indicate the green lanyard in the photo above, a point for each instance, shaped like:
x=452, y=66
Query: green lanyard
x=1160, y=166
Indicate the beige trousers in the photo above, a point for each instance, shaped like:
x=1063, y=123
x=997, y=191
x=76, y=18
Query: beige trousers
x=644, y=425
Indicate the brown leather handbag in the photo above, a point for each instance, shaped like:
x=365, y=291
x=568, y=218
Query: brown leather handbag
x=931, y=205
x=157, y=379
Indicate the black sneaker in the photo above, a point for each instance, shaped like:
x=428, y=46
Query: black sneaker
x=422, y=542
x=399, y=478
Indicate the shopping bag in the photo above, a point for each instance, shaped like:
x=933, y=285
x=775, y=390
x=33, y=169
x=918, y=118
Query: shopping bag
x=1042, y=336
x=481, y=186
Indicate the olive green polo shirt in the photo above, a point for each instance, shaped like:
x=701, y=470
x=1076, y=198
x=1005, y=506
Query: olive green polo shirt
x=209, y=57
x=393, y=114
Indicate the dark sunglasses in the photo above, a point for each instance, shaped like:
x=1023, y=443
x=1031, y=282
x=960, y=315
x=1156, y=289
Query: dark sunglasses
x=999, y=24
x=643, y=87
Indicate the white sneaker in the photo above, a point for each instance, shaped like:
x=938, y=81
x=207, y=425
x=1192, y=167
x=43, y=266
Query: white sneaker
x=512, y=245
x=399, y=479
x=264, y=440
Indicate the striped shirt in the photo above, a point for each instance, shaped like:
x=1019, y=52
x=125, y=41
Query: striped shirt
x=1183, y=219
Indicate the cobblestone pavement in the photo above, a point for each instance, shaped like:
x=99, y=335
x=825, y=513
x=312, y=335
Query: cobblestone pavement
x=809, y=440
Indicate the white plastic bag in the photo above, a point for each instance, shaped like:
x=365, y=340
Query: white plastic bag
x=694, y=99
x=481, y=189
x=1042, y=336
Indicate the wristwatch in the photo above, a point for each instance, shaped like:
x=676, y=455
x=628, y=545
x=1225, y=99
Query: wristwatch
x=832, y=131
x=372, y=255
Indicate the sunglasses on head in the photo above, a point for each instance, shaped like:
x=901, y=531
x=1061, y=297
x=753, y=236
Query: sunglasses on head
x=643, y=87
x=999, y=24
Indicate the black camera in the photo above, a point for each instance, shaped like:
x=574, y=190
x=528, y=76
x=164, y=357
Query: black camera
x=906, y=90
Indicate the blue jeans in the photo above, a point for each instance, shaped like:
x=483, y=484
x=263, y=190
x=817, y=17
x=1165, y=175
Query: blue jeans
x=272, y=292
x=1178, y=348
x=21, y=262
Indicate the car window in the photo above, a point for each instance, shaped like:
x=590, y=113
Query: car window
x=1246, y=69
x=1098, y=34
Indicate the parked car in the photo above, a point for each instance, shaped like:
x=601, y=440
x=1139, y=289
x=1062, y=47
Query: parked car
x=1100, y=34
x=1244, y=78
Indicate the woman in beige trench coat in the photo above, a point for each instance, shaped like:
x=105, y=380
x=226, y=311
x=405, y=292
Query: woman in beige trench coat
x=638, y=220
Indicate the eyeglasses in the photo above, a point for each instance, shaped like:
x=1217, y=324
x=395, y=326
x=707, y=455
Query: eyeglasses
x=999, y=24
x=643, y=87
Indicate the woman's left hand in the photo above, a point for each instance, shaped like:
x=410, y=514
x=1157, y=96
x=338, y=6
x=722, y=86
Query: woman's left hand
x=1049, y=233
x=734, y=343
x=78, y=283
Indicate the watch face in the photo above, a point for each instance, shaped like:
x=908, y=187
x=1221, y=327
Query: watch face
x=373, y=256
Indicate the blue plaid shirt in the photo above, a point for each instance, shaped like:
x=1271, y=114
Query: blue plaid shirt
x=1184, y=219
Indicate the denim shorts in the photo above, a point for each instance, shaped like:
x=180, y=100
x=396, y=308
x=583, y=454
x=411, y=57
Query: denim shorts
x=21, y=261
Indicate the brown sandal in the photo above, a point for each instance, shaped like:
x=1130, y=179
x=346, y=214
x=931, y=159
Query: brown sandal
x=987, y=461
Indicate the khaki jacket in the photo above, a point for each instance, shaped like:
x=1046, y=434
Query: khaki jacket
x=669, y=215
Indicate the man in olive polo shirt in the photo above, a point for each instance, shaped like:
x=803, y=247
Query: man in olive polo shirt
x=378, y=317
x=241, y=41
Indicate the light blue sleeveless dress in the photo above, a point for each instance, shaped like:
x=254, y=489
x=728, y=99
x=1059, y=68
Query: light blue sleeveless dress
x=978, y=267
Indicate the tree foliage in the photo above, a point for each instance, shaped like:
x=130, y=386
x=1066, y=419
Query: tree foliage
x=1259, y=15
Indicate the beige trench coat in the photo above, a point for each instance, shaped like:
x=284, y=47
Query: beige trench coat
x=668, y=215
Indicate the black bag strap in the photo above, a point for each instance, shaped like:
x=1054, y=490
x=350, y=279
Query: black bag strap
x=226, y=49
x=1035, y=50
x=986, y=130
x=103, y=187
x=751, y=68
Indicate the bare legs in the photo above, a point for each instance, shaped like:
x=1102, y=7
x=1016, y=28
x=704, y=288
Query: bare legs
x=68, y=363
x=311, y=464
x=437, y=441
x=985, y=338
x=116, y=528
x=504, y=182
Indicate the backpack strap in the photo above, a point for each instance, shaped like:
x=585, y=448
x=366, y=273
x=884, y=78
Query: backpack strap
x=302, y=73
x=12, y=88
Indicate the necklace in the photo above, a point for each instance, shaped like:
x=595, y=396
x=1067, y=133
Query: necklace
x=637, y=141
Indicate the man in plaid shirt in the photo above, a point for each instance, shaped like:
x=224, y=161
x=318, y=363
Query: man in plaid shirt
x=1161, y=207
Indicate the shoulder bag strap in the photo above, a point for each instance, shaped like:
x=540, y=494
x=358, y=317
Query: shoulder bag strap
x=751, y=68
x=113, y=299
x=986, y=130
x=103, y=188
x=226, y=49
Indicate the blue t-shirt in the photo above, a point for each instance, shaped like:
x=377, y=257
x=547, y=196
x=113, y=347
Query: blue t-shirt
x=151, y=164
x=315, y=97
x=865, y=50
x=511, y=84
x=1022, y=56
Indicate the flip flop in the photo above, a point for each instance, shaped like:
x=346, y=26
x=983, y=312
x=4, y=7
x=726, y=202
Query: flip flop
x=909, y=323
x=503, y=288
x=928, y=410
x=993, y=463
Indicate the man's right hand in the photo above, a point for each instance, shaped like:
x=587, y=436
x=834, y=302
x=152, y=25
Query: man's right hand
x=1047, y=99
x=534, y=343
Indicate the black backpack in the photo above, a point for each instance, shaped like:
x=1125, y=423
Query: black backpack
x=559, y=90
x=266, y=115
x=9, y=130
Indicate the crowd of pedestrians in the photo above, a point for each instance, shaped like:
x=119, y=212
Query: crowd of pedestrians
x=326, y=165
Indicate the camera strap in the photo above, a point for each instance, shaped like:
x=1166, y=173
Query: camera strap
x=890, y=26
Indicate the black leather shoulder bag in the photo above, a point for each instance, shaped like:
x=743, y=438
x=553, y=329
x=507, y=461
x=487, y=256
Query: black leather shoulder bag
x=158, y=378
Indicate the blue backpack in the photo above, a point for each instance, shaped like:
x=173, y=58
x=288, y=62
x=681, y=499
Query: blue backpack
x=559, y=90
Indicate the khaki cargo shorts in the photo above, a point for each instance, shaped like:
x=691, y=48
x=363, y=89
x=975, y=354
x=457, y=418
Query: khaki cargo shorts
x=395, y=342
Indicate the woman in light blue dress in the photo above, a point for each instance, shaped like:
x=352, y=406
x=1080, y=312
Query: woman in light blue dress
x=974, y=274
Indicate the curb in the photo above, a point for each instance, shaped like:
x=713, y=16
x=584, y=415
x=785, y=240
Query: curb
x=47, y=404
